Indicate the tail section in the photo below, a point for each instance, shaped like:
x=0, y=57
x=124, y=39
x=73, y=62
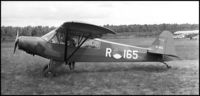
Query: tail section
x=164, y=44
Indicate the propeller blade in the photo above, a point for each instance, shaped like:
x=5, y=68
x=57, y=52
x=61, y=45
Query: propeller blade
x=17, y=36
x=16, y=41
x=16, y=44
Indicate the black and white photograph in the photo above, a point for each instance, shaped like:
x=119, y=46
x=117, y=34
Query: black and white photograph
x=100, y=47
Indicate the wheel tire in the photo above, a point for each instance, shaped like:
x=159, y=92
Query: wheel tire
x=48, y=74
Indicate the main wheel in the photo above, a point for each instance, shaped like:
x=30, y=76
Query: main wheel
x=49, y=74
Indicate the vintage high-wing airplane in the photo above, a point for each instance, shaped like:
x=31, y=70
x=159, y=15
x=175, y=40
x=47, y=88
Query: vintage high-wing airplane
x=79, y=42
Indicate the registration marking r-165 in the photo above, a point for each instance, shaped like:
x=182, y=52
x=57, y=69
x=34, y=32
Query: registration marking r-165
x=127, y=54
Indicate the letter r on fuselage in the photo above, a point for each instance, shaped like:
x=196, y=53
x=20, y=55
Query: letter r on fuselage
x=108, y=52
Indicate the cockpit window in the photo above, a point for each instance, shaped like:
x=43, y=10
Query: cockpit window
x=58, y=37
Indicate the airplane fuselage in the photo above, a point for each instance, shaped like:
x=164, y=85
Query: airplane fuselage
x=107, y=51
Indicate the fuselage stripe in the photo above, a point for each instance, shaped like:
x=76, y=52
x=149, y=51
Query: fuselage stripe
x=120, y=44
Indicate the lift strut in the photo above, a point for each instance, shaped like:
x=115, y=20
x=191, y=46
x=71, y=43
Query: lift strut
x=66, y=58
x=76, y=49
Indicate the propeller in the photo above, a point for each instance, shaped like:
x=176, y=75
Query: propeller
x=16, y=41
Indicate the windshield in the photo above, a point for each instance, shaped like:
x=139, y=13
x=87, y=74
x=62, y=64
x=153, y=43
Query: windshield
x=54, y=37
x=49, y=35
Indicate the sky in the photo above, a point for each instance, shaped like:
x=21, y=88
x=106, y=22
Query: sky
x=54, y=13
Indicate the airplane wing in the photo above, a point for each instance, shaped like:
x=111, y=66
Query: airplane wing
x=84, y=29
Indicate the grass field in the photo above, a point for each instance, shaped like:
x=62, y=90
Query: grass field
x=21, y=74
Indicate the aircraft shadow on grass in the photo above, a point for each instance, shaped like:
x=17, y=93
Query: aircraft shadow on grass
x=64, y=71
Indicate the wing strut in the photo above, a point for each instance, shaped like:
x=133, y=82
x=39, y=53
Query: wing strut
x=79, y=45
x=66, y=43
x=80, y=39
x=76, y=49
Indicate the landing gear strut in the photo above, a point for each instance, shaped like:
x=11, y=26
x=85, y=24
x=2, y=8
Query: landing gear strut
x=45, y=68
x=47, y=72
x=50, y=68
x=71, y=65
x=166, y=65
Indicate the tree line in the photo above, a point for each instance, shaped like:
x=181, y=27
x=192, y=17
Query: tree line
x=25, y=31
x=153, y=29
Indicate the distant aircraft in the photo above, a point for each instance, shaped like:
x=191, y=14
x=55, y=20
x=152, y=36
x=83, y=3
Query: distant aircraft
x=80, y=42
x=186, y=34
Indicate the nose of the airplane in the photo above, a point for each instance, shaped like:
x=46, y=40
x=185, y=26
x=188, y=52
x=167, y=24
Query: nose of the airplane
x=28, y=44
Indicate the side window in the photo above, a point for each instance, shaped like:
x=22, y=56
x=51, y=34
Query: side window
x=91, y=44
x=61, y=38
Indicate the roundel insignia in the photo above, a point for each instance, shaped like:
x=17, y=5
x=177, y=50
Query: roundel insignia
x=117, y=56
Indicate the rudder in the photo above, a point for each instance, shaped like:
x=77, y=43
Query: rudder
x=164, y=44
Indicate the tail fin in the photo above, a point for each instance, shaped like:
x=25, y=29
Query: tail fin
x=164, y=44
